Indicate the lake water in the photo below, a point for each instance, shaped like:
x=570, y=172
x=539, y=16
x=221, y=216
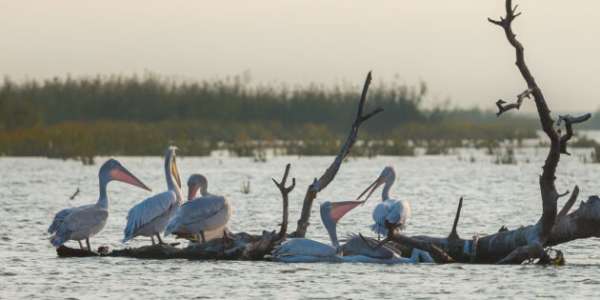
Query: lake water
x=33, y=189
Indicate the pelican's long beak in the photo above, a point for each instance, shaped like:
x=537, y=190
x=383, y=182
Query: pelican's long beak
x=339, y=209
x=192, y=190
x=370, y=189
x=175, y=171
x=120, y=173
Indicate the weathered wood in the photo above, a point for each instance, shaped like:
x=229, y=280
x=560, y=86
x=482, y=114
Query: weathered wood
x=582, y=223
x=329, y=175
x=557, y=146
x=438, y=254
x=285, y=191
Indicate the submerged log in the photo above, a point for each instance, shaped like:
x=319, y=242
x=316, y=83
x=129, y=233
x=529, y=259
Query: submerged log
x=239, y=246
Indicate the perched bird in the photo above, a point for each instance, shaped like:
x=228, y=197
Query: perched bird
x=389, y=213
x=150, y=217
x=199, y=216
x=81, y=223
x=357, y=249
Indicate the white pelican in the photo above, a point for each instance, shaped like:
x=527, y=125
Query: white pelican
x=149, y=217
x=81, y=223
x=205, y=214
x=355, y=250
x=390, y=213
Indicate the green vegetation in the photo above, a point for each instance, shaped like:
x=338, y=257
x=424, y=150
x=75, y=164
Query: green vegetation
x=81, y=118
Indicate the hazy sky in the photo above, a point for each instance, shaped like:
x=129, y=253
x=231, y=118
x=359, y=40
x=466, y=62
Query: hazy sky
x=448, y=44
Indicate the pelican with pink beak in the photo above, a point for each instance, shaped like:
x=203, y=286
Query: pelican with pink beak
x=357, y=249
x=81, y=223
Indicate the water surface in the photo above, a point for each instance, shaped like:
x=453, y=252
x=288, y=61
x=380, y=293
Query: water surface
x=33, y=189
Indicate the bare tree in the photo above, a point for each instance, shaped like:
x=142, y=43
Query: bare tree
x=329, y=175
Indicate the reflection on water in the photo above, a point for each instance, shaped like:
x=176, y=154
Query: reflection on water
x=33, y=189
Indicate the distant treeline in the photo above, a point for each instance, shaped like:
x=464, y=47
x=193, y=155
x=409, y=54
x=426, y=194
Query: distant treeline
x=139, y=115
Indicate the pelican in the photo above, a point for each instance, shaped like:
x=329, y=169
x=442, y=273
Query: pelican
x=389, y=213
x=201, y=215
x=149, y=217
x=81, y=223
x=355, y=250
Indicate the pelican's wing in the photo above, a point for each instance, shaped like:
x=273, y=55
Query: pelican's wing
x=303, y=247
x=148, y=210
x=81, y=218
x=58, y=219
x=208, y=209
x=84, y=218
x=394, y=215
x=379, y=216
x=399, y=213
x=208, y=212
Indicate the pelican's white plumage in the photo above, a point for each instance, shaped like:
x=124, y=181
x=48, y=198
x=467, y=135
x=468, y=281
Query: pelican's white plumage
x=81, y=223
x=200, y=215
x=389, y=212
x=150, y=217
x=302, y=247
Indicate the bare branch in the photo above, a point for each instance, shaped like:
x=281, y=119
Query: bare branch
x=328, y=176
x=569, y=121
x=563, y=194
x=284, y=196
x=569, y=204
x=524, y=253
x=502, y=107
x=453, y=234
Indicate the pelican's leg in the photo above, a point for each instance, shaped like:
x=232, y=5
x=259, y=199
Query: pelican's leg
x=159, y=239
x=87, y=242
x=80, y=245
x=153, y=242
x=202, y=236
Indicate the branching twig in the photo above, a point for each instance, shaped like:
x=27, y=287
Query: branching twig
x=569, y=121
x=327, y=177
x=565, y=210
x=503, y=107
x=284, y=195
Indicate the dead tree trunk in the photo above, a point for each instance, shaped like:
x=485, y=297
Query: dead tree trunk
x=535, y=239
x=327, y=177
